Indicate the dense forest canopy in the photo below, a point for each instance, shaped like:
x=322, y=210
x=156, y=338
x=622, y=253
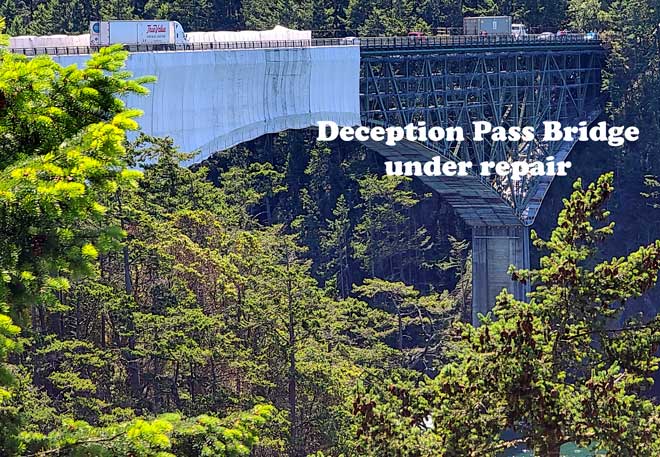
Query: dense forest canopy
x=368, y=17
x=287, y=299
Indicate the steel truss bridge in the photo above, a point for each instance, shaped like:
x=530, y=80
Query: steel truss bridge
x=444, y=81
x=508, y=84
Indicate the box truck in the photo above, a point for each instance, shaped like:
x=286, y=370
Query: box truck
x=487, y=25
x=104, y=33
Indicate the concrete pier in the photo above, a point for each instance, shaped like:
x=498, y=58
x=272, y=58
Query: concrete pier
x=493, y=250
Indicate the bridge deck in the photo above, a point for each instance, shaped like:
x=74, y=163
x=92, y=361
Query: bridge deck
x=454, y=43
x=460, y=43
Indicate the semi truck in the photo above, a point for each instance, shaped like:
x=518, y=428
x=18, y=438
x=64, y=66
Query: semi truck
x=104, y=33
x=487, y=25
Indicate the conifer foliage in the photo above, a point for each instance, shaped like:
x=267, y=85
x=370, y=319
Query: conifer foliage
x=562, y=368
x=63, y=159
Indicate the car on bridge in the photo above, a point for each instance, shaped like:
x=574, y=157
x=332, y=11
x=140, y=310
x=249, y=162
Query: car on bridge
x=518, y=30
x=350, y=40
x=419, y=37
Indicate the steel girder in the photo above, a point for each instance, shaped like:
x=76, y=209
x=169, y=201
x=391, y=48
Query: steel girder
x=507, y=88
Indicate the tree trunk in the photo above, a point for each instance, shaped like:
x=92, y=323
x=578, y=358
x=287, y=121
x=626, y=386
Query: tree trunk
x=293, y=399
x=292, y=387
x=127, y=271
x=400, y=325
x=103, y=329
x=550, y=448
x=191, y=382
x=127, y=267
x=175, y=386
x=132, y=362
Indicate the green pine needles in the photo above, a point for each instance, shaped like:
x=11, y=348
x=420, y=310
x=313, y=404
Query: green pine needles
x=62, y=162
x=562, y=368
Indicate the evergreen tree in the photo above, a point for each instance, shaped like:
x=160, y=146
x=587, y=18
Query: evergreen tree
x=379, y=239
x=116, y=9
x=586, y=15
x=60, y=173
x=335, y=244
x=561, y=368
x=194, y=15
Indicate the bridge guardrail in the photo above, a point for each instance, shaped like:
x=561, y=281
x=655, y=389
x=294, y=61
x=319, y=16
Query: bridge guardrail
x=475, y=41
x=74, y=50
x=363, y=42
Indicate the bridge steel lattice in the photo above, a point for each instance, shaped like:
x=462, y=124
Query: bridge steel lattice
x=508, y=86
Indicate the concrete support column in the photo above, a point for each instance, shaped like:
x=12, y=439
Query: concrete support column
x=493, y=250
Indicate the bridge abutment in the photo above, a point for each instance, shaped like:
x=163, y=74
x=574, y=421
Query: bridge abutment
x=494, y=249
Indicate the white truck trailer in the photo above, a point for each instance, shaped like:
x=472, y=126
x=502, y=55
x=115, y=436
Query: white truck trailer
x=104, y=33
x=487, y=25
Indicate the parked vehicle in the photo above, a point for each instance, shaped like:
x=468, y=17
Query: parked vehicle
x=103, y=33
x=519, y=30
x=492, y=25
x=546, y=36
x=351, y=40
x=561, y=33
x=417, y=36
x=591, y=36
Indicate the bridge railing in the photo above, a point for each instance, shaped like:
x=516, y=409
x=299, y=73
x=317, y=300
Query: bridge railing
x=366, y=42
x=476, y=41
x=75, y=50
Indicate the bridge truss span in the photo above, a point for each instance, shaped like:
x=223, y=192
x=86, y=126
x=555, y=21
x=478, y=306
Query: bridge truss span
x=504, y=86
x=508, y=86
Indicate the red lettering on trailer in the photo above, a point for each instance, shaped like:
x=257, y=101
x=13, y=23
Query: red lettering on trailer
x=157, y=28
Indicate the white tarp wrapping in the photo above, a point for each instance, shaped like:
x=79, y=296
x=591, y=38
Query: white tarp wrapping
x=49, y=41
x=278, y=33
x=213, y=100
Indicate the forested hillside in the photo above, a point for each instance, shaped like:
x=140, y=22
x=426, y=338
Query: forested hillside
x=285, y=298
x=366, y=17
